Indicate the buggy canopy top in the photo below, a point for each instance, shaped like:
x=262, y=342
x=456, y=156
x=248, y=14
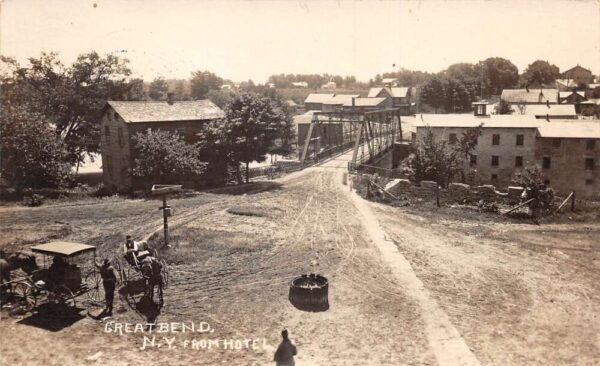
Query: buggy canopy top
x=63, y=248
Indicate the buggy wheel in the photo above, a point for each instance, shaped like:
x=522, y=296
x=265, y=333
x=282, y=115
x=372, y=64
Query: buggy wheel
x=164, y=273
x=61, y=296
x=24, y=297
x=95, y=288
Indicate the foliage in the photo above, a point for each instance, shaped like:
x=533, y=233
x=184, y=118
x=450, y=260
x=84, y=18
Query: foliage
x=540, y=73
x=439, y=162
x=220, y=97
x=251, y=126
x=531, y=179
x=457, y=97
x=164, y=157
x=433, y=94
x=202, y=82
x=314, y=81
x=503, y=107
x=497, y=74
x=33, y=155
x=595, y=93
x=136, y=90
x=158, y=89
x=405, y=77
x=70, y=98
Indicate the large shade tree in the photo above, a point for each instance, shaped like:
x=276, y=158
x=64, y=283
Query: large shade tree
x=70, y=98
x=202, y=82
x=540, y=73
x=497, y=74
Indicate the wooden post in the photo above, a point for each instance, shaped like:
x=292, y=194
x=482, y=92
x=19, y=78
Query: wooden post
x=437, y=195
x=573, y=201
x=165, y=220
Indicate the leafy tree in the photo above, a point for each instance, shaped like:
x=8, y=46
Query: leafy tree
x=220, y=97
x=180, y=89
x=456, y=96
x=408, y=77
x=158, y=89
x=70, y=98
x=540, y=73
x=251, y=126
x=136, y=90
x=531, y=179
x=503, y=107
x=164, y=157
x=438, y=161
x=32, y=154
x=202, y=82
x=433, y=94
x=497, y=74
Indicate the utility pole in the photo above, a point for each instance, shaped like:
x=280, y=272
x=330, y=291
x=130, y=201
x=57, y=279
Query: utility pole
x=163, y=190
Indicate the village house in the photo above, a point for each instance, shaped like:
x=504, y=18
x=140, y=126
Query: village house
x=122, y=120
x=401, y=97
x=338, y=101
x=567, y=151
x=367, y=104
x=314, y=101
x=579, y=75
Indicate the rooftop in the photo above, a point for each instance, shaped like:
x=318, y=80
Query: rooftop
x=318, y=97
x=341, y=99
x=150, y=111
x=543, y=110
x=365, y=102
x=572, y=130
x=531, y=96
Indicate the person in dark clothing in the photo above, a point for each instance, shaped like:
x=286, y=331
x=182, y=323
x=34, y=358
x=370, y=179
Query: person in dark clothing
x=109, y=282
x=284, y=356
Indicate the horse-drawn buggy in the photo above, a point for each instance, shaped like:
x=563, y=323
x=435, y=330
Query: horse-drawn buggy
x=63, y=276
x=140, y=271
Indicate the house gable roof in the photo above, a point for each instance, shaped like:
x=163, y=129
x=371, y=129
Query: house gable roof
x=151, y=111
x=366, y=102
x=531, y=96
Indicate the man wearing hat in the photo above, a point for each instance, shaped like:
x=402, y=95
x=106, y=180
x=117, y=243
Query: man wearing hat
x=284, y=356
x=109, y=281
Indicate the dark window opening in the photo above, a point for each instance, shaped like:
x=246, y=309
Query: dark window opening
x=452, y=139
x=589, y=181
x=495, y=139
x=495, y=160
x=556, y=142
x=473, y=160
x=494, y=178
x=518, y=161
x=589, y=164
x=107, y=134
x=547, y=182
x=546, y=162
x=520, y=139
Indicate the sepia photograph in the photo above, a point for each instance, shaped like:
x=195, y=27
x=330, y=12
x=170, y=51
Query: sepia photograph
x=300, y=182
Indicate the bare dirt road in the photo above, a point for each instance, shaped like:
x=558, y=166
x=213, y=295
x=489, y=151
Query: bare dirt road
x=479, y=291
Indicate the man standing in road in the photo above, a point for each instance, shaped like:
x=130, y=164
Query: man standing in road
x=284, y=356
x=109, y=281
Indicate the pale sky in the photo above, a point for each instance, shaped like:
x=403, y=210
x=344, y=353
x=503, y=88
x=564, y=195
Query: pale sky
x=242, y=40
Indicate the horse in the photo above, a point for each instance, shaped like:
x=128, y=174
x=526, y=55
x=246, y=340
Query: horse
x=19, y=260
x=151, y=269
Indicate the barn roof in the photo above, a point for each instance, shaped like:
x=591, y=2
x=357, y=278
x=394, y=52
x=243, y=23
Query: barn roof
x=318, y=97
x=151, y=111
x=531, y=96
x=341, y=99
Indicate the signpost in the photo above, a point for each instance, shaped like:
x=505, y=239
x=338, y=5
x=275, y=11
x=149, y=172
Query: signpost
x=163, y=190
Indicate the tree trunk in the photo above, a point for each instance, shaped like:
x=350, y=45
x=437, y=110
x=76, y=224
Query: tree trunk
x=238, y=174
x=247, y=172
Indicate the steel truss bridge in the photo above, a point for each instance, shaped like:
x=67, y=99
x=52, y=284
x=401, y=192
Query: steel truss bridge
x=333, y=132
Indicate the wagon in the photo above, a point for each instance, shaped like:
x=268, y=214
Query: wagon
x=77, y=277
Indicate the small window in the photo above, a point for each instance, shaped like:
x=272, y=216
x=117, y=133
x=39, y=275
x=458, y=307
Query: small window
x=546, y=182
x=546, y=162
x=107, y=135
x=181, y=131
x=495, y=139
x=120, y=136
x=452, y=139
x=590, y=144
x=473, y=160
x=556, y=142
x=518, y=161
x=589, y=182
x=520, y=139
x=494, y=178
x=495, y=160
x=589, y=164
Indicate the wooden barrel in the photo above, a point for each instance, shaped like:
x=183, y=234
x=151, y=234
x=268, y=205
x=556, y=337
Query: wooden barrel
x=310, y=292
